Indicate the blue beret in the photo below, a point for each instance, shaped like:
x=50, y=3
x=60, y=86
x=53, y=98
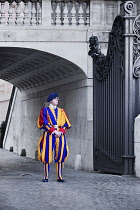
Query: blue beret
x=52, y=96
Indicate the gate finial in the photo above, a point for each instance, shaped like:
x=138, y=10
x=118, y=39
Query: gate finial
x=128, y=8
x=94, y=46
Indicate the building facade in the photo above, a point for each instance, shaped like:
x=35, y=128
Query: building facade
x=44, y=48
x=5, y=93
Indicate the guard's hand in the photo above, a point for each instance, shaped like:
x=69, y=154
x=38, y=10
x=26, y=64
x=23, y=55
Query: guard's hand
x=57, y=133
x=56, y=136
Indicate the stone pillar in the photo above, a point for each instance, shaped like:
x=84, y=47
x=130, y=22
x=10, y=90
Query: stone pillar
x=46, y=12
x=137, y=145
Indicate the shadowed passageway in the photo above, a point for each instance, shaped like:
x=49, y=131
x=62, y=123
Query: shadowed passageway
x=29, y=68
x=21, y=188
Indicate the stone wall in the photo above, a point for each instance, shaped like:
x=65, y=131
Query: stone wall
x=102, y=15
x=5, y=93
x=138, y=6
x=76, y=99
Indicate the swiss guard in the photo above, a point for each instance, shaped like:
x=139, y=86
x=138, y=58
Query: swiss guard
x=55, y=123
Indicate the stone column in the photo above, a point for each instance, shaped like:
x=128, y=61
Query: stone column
x=46, y=12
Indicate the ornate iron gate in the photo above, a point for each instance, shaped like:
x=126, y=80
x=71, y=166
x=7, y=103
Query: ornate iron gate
x=116, y=90
x=108, y=81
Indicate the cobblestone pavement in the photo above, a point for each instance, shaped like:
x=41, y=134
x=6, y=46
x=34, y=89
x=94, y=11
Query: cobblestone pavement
x=21, y=188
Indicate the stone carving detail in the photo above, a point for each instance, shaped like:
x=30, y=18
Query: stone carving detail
x=21, y=12
x=94, y=46
x=10, y=12
x=33, y=13
x=103, y=64
x=70, y=13
x=26, y=13
x=2, y=11
x=18, y=11
x=39, y=12
x=136, y=47
x=29, y=12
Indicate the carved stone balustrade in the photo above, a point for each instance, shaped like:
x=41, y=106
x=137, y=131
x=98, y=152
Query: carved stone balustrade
x=46, y=12
x=70, y=12
x=17, y=12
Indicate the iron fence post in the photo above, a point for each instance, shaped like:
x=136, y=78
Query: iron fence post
x=129, y=13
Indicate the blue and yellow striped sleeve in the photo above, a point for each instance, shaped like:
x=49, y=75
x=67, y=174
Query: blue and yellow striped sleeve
x=43, y=122
x=66, y=123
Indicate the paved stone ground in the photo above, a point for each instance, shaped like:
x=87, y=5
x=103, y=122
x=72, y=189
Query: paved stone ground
x=21, y=188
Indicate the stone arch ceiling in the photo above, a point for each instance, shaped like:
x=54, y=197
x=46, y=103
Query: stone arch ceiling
x=29, y=68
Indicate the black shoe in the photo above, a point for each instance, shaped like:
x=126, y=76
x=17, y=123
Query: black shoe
x=45, y=180
x=61, y=180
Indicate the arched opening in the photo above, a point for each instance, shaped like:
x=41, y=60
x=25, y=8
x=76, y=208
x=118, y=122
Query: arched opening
x=30, y=68
x=36, y=74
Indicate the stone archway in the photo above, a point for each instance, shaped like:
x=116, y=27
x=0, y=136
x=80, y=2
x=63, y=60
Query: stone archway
x=35, y=74
x=30, y=68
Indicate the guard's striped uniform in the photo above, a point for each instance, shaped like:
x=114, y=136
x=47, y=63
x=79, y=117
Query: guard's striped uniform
x=50, y=120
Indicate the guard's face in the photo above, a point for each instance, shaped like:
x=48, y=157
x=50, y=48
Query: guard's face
x=54, y=102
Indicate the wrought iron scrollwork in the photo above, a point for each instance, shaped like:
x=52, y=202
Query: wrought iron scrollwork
x=107, y=155
x=103, y=64
x=136, y=47
x=95, y=52
x=137, y=71
x=128, y=6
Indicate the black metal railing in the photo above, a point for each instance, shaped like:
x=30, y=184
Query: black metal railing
x=4, y=123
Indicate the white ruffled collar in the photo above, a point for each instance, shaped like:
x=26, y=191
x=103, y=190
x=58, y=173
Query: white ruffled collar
x=52, y=106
